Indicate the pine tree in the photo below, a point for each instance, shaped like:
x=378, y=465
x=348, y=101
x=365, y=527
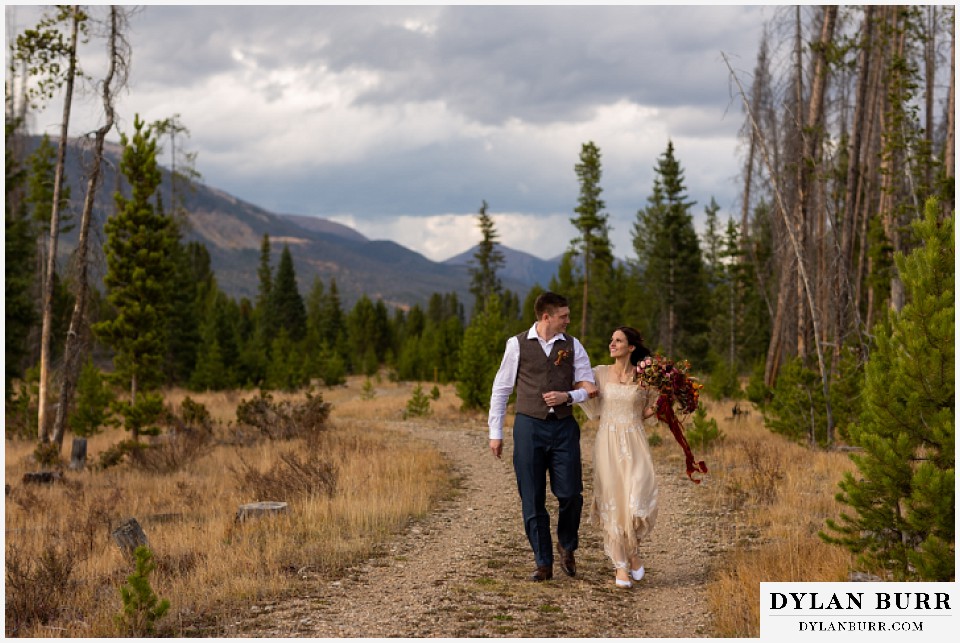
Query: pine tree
x=286, y=301
x=267, y=326
x=592, y=245
x=670, y=266
x=483, y=276
x=140, y=246
x=904, y=491
x=480, y=356
x=141, y=605
x=92, y=410
x=20, y=313
x=189, y=287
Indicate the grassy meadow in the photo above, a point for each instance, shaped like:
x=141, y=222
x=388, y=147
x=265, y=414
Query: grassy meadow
x=772, y=496
x=63, y=571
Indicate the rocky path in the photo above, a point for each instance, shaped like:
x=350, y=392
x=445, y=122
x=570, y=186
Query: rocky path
x=461, y=571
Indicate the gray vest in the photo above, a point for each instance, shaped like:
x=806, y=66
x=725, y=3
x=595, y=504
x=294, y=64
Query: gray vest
x=538, y=373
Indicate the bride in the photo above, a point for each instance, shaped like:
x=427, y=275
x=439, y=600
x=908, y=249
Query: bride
x=624, y=485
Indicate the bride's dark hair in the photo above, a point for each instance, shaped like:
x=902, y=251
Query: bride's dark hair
x=634, y=339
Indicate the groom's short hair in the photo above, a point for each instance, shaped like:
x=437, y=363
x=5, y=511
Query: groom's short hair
x=548, y=302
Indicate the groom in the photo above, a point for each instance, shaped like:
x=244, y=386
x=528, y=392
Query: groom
x=545, y=365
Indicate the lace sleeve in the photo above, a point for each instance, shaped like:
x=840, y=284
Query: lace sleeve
x=646, y=398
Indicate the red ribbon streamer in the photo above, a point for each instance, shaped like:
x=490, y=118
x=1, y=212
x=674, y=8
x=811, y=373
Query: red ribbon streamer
x=665, y=414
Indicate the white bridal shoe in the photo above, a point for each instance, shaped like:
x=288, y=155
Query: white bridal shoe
x=636, y=574
x=624, y=583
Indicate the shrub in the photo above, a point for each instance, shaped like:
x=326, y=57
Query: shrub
x=47, y=454
x=418, y=405
x=723, y=379
x=368, y=392
x=284, y=420
x=94, y=398
x=195, y=414
x=757, y=391
x=115, y=454
x=171, y=452
x=141, y=605
x=35, y=589
x=703, y=431
x=21, y=407
x=293, y=476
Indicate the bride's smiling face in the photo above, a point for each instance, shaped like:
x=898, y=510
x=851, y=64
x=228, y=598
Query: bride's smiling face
x=619, y=347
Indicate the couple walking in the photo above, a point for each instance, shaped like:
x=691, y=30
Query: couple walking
x=551, y=372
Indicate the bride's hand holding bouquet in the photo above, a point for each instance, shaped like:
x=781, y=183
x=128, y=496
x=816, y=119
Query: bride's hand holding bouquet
x=678, y=392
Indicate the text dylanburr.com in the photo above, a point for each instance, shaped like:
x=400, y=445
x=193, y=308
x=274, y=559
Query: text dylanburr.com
x=854, y=610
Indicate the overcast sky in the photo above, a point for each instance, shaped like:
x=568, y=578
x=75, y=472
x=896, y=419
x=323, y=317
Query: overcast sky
x=401, y=120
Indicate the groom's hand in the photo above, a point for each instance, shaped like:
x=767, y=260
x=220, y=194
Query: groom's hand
x=496, y=446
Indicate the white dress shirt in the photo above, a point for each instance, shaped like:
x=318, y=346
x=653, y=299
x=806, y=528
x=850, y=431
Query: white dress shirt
x=506, y=377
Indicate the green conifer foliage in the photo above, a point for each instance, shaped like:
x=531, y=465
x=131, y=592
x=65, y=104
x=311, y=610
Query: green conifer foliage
x=597, y=309
x=140, y=245
x=418, y=405
x=285, y=299
x=903, y=492
x=674, y=293
x=487, y=260
x=141, y=605
x=480, y=356
x=92, y=410
x=20, y=314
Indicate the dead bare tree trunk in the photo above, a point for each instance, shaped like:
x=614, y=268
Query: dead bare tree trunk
x=930, y=68
x=948, y=151
x=814, y=317
x=847, y=299
x=43, y=423
x=800, y=213
x=117, y=49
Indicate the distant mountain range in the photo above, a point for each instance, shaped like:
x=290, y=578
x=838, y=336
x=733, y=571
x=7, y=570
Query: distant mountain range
x=233, y=229
x=518, y=266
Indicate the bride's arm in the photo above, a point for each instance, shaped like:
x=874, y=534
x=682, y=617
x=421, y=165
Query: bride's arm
x=591, y=406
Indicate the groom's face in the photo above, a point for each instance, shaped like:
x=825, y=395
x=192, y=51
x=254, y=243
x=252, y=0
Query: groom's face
x=557, y=321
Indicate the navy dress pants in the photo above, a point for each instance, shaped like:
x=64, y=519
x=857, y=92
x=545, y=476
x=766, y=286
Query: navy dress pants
x=540, y=446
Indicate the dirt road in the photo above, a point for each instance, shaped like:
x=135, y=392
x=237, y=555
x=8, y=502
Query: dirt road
x=462, y=570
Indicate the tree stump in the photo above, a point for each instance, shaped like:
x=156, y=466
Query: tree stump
x=128, y=536
x=43, y=477
x=260, y=509
x=78, y=454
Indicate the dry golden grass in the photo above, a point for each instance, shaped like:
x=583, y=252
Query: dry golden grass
x=382, y=482
x=774, y=496
x=770, y=496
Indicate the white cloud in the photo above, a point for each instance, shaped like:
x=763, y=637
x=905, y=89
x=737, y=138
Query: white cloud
x=443, y=236
x=401, y=115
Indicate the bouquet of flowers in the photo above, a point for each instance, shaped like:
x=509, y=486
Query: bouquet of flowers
x=679, y=392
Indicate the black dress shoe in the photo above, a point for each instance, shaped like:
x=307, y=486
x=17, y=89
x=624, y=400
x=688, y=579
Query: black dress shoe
x=567, y=562
x=542, y=573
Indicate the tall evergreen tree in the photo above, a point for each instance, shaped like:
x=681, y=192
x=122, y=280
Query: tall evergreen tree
x=480, y=355
x=671, y=267
x=140, y=247
x=267, y=326
x=903, y=493
x=592, y=244
x=488, y=260
x=286, y=301
x=20, y=313
x=192, y=278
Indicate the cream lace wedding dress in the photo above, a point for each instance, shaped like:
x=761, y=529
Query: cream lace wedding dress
x=624, y=485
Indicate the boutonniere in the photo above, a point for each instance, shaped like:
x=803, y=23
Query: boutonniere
x=561, y=355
